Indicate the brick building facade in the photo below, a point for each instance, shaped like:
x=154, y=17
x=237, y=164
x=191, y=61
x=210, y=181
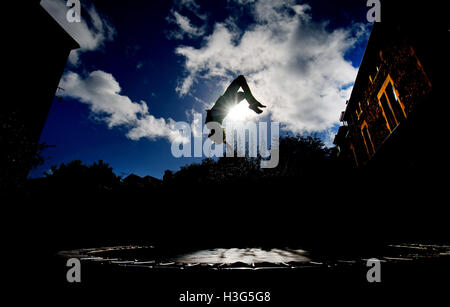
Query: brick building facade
x=389, y=101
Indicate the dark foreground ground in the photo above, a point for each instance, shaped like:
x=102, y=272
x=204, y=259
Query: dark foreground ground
x=332, y=220
x=331, y=281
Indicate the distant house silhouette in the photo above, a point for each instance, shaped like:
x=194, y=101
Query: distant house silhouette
x=136, y=181
x=392, y=118
x=39, y=49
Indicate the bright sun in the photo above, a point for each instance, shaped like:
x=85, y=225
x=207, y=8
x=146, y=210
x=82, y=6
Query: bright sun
x=238, y=112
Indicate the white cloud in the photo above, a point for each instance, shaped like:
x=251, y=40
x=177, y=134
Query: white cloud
x=185, y=27
x=101, y=92
x=242, y=2
x=90, y=36
x=190, y=5
x=294, y=65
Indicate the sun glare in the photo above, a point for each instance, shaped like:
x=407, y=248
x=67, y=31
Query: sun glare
x=238, y=112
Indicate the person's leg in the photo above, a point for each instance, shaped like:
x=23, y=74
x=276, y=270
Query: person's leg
x=232, y=92
x=248, y=93
x=240, y=96
x=233, y=87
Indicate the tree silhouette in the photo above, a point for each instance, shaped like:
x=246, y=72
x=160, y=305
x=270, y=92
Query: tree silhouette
x=76, y=175
x=302, y=156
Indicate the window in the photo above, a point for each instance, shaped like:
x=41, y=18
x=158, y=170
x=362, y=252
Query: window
x=375, y=67
x=388, y=113
x=395, y=103
x=391, y=106
x=354, y=154
x=367, y=139
x=358, y=110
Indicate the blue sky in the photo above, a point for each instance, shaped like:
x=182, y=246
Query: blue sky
x=143, y=65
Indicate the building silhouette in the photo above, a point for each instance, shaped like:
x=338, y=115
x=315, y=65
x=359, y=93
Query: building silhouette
x=38, y=52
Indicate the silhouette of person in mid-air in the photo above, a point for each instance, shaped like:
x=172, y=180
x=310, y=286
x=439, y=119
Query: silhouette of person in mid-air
x=230, y=98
